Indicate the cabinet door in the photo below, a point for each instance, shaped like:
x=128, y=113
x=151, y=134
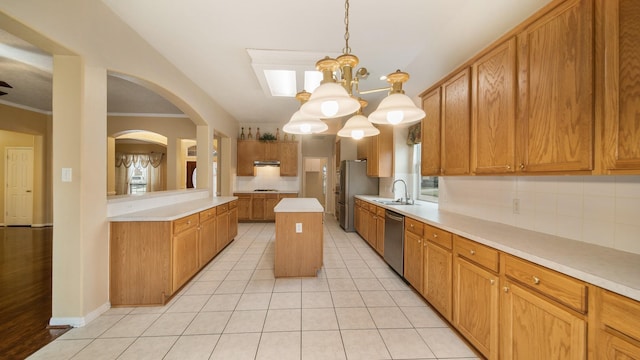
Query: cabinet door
x=430, y=149
x=373, y=228
x=362, y=148
x=363, y=217
x=244, y=206
x=556, y=89
x=288, y=158
x=248, y=152
x=271, y=150
x=233, y=224
x=437, y=281
x=413, y=260
x=185, y=260
x=258, y=206
x=270, y=202
x=536, y=328
x=493, y=111
x=222, y=230
x=476, y=306
x=621, y=36
x=380, y=232
x=613, y=347
x=380, y=152
x=207, y=241
x=456, y=124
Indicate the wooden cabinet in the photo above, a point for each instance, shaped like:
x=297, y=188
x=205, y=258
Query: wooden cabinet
x=536, y=295
x=380, y=218
x=456, y=124
x=380, y=152
x=244, y=207
x=430, y=133
x=207, y=237
x=620, y=55
x=362, y=148
x=222, y=227
x=372, y=233
x=258, y=203
x=616, y=334
x=288, y=158
x=184, y=250
x=233, y=220
x=363, y=220
x=249, y=151
x=556, y=90
x=476, y=295
x=493, y=111
x=413, y=252
x=271, y=200
x=437, y=269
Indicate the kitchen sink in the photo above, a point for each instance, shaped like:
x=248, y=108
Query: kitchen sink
x=391, y=202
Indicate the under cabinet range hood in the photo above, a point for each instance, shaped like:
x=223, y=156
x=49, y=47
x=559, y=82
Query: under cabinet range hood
x=275, y=163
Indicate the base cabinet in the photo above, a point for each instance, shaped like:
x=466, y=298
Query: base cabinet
x=413, y=253
x=536, y=328
x=207, y=237
x=616, y=331
x=184, y=249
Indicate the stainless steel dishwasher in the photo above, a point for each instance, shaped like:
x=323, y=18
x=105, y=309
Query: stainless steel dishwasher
x=394, y=241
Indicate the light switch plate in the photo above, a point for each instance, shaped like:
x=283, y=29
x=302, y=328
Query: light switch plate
x=298, y=228
x=66, y=175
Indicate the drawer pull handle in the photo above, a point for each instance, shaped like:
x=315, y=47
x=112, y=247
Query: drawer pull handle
x=472, y=252
x=189, y=222
x=536, y=280
x=492, y=281
x=419, y=241
x=435, y=236
x=506, y=289
x=411, y=226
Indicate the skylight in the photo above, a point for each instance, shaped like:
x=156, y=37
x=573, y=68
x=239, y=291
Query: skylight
x=281, y=82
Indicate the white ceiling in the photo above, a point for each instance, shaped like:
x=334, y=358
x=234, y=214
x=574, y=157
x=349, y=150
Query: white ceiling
x=208, y=41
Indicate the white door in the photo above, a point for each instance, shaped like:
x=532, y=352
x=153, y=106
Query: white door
x=19, y=186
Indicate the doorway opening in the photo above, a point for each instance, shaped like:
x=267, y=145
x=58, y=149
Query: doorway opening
x=315, y=179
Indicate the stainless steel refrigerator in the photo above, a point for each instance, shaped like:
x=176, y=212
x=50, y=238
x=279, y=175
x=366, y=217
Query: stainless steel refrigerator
x=353, y=181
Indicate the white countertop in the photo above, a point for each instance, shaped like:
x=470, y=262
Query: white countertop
x=265, y=192
x=611, y=269
x=299, y=205
x=173, y=211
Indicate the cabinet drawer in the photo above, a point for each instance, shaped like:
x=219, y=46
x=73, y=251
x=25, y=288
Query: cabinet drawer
x=185, y=223
x=620, y=313
x=207, y=214
x=562, y=288
x=438, y=236
x=413, y=226
x=380, y=211
x=221, y=209
x=233, y=204
x=477, y=253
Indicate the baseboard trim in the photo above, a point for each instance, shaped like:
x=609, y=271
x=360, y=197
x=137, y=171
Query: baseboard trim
x=80, y=321
x=41, y=225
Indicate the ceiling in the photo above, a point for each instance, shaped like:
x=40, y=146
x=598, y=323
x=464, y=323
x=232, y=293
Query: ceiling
x=209, y=42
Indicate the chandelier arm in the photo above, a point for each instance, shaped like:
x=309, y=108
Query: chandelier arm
x=371, y=91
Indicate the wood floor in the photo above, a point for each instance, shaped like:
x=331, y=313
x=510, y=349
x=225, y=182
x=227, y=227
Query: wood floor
x=25, y=291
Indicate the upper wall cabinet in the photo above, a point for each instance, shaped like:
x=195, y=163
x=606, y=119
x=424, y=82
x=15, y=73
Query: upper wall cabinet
x=620, y=34
x=254, y=150
x=456, y=124
x=493, y=111
x=380, y=153
x=556, y=90
x=430, y=129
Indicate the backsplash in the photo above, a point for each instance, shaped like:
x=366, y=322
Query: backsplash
x=603, y=210
x=267, y=177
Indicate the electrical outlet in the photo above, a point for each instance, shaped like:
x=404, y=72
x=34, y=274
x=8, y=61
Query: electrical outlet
x=516, y=206
x=298, y=228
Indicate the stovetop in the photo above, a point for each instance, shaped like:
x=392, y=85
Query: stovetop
x=262, y=190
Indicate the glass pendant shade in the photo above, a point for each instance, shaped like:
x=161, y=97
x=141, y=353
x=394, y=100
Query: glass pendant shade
x=358, y=127
x=303, y=124
x=330, y=100
x=395, y=109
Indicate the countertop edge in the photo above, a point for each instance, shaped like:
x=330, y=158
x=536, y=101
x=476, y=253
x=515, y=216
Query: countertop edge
x=590, y=263
x=173, y=211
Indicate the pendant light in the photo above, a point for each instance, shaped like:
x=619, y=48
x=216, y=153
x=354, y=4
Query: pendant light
x=302, y=123
x=358, y=126
x=397, y=107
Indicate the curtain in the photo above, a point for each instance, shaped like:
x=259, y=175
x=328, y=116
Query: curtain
x=415, y=134
x=129, y=165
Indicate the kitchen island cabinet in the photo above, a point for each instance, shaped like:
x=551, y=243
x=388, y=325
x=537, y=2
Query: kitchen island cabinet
x=299, y=237
x=153, y=253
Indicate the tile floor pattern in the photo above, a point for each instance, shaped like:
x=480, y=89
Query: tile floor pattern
x=357, y=308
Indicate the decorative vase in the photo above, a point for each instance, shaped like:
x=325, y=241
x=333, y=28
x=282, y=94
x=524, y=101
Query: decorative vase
x=242, y=134
x=249, y=136
x=277, y=134
x=257, y=133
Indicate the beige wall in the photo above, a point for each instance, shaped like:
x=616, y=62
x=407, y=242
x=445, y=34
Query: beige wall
x=75, y=32
x=20, y=127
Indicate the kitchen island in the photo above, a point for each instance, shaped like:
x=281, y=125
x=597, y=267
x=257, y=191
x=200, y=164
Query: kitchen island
x=299, y=237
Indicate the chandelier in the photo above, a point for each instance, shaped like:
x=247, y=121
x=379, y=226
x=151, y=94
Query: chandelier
x=334, y=97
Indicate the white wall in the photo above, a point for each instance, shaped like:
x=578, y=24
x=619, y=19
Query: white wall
x=603, y=210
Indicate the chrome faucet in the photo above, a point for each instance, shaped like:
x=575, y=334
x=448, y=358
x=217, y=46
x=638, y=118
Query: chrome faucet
x=406, y=194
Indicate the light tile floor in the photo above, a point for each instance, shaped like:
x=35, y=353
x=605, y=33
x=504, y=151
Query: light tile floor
x=357, y=308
